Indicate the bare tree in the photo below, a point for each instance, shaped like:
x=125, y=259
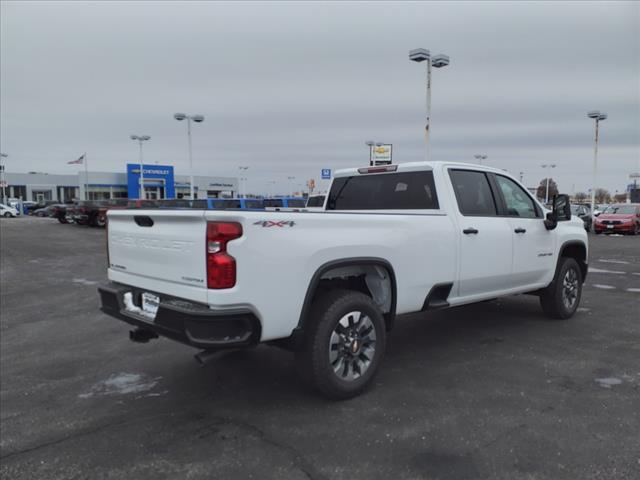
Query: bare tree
x=580, y=196
x=541, y=191
x=602, y=195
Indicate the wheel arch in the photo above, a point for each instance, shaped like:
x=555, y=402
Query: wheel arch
x=324, y=273
x=577, y=250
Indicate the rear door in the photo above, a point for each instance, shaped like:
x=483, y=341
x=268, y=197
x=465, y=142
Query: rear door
x=161, y=250
x=486, y=243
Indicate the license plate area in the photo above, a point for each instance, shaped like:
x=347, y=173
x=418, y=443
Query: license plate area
x=150, y=304
x=609, y=226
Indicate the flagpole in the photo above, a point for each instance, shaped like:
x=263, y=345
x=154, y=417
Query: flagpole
x=86, y=178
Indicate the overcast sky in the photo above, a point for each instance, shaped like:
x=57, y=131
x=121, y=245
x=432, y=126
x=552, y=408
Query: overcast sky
x=289, y=88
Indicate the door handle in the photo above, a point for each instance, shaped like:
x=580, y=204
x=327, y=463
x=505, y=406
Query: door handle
x=468, y=231
x=520, y=230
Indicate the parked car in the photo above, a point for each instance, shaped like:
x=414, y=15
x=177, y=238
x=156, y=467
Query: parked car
x=29, y=207
x=584, y=212
x=7, y=211
x=619, y=218
x=41, y=212
x=59, y=212
x=393, y=240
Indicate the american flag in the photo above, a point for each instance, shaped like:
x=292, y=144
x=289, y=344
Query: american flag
x=76, y=162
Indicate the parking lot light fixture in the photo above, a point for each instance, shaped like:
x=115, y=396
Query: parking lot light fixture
x=2, y=179
x=598, y=117
x=547, y=166
x=140, y=139
x=189, y=118
x=242, y=168
x=419, y=55
x=370, y=144
x=480, y=158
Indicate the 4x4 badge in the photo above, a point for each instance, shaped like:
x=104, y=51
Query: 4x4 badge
x=269, y=223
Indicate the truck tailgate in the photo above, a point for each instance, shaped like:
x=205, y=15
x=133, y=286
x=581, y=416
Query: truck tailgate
x=160, y=250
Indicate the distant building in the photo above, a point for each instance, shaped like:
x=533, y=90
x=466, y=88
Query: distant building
x=159, y=182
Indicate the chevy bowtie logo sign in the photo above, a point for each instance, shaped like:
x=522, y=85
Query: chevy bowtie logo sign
x=381, y=150
x=269, y=223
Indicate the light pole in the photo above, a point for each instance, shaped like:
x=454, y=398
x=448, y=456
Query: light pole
x=197, y=119
x=438, y=61
x=370, y=144
x=2, y=179
x=291, y=179
x=140, y=139
x=480, y=158
x=243, y=188
x=598, y=117
x=546, y=197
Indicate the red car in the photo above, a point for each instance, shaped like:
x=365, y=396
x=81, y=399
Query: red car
x=620, y=218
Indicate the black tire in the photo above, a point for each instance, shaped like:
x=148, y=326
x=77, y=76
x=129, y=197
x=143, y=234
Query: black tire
x=101, y=221
x=561, y=299
x=7, y=214
x=322, y=335
x=636, y=229
x=62, y=220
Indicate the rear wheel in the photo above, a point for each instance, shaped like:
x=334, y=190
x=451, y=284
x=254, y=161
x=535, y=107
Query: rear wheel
x=561, y=299
x=101, y=221
x=344, y=344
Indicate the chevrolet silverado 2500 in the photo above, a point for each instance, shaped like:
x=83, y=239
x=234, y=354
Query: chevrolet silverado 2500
x=392, y=240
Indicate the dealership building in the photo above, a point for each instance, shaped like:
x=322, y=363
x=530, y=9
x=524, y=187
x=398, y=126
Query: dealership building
x=159, y=183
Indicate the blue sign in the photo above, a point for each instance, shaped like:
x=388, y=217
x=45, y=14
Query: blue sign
x=326, y=173
x=154, y=176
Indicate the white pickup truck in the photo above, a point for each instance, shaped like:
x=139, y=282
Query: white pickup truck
x=329, y=284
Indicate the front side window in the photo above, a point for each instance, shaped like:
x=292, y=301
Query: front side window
x=473, y=193
x=384, y=191
x=516, y=200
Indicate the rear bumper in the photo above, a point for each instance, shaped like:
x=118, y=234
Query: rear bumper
x=186, y=322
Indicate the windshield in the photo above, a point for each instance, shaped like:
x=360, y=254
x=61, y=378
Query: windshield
x=620, y=209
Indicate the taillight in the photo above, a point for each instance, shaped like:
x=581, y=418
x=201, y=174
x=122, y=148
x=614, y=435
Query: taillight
x=221, y=267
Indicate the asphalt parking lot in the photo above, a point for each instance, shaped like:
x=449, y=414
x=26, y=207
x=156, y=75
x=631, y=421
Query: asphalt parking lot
x=491, y=391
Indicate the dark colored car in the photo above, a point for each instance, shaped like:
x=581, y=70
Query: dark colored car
x=59, y=211
x=619, y=218
x=584, y=212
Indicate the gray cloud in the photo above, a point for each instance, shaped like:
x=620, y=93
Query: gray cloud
x=289, y=88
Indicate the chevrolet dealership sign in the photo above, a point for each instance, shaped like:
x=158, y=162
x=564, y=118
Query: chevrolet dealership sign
x=381, y=154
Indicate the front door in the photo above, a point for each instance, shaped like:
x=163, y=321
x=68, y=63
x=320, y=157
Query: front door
x=533, y=244
x=486, y=244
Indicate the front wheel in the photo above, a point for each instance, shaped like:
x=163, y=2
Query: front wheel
x=561, y=299
x=344, y=344
x=6, y=214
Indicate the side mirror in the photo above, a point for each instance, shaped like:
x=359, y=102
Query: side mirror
x=561, y=212
x=562, y=208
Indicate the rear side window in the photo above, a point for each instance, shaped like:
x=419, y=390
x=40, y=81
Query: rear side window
x=384, y=191
x=473, y=193
x=316, y=201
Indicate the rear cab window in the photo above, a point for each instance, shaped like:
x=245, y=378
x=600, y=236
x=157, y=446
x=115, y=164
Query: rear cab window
x=384, y=191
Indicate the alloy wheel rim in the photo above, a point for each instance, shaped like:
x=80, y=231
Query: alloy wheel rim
x=352, y=346
x=570, y=287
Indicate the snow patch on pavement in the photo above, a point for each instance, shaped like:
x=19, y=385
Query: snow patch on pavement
x=608, y=382
x=84, y=281
x=604, y=287
x=633, y=290
x=122, y=384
